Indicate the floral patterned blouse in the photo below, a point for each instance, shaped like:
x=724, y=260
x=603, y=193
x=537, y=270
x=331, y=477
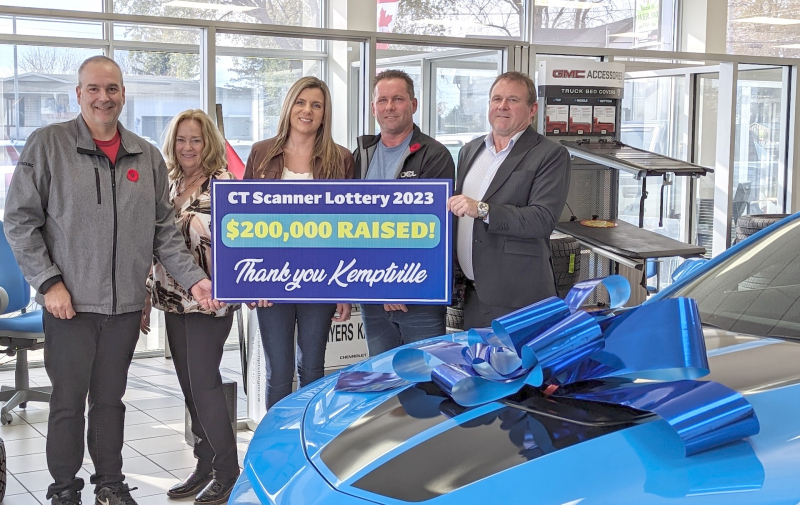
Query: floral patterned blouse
x=193, y=219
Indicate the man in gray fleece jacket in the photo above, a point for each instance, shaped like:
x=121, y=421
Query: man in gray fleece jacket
x=87, y=209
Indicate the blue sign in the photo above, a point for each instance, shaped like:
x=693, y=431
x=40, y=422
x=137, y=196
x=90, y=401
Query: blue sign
x=332, y=241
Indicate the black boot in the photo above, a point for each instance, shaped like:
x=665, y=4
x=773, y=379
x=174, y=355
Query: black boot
x=214, y=493
x=191, y=485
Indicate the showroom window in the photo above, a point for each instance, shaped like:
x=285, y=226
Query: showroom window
x=759, y=123
x=764, y=28
x=76, y=5
x=452, y=18
x=37, y=91
x=279, y=12
x=17, y=25
x=253, y=75
x=653, y=120
x=638, y=24
x=451, y=86
x=158, y=85
x=625, y=24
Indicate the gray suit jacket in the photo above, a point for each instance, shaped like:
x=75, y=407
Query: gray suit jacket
x=511, y=255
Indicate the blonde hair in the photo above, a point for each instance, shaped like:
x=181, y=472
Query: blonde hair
x=213, y=156
x=325, y=148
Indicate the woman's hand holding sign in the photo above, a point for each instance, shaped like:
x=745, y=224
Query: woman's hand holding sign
x=260, y=303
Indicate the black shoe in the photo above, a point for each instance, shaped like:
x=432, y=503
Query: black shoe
x=66, y=497
x=214, y=493
x=190, y=486
x=115, y=494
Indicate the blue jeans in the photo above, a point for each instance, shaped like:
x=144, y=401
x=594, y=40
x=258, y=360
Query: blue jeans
x=387, y=330
x=277, y=325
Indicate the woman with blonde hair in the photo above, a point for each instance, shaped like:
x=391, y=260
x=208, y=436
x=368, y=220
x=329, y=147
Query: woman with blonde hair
x=195, y=155
x=303, y=149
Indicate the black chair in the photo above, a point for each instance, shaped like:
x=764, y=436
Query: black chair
x=20, y=332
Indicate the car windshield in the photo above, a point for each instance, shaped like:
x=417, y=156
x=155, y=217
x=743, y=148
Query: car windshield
x=756, y=291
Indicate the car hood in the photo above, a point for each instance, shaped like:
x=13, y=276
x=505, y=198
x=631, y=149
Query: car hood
x=415, y=445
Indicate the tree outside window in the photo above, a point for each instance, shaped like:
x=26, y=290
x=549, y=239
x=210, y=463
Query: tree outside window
x=764, y=27
x=587, y=23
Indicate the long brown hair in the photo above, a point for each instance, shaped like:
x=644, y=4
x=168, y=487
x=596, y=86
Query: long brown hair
x=325, y=148
x=213, y=156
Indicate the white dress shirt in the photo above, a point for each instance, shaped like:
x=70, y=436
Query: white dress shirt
x=478, y=179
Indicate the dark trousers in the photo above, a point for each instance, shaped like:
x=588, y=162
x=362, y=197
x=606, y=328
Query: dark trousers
x=389, y=329
x=277, y=325
x=88, y=354
x=196, y=342
x=478, y=314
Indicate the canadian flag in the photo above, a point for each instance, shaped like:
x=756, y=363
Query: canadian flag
x=387, y=13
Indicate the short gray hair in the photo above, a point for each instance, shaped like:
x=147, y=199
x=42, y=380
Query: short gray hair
x=99, y=59
x=520, y=78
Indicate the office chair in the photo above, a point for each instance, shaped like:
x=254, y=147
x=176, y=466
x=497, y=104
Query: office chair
x=19, y=333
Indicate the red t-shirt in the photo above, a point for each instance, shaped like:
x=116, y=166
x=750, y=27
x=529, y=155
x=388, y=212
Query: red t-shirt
x=110, y=147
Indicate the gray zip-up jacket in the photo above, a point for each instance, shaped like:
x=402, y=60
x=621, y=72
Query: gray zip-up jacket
x=71, y=213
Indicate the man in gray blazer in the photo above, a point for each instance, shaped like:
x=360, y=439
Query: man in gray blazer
x=510, y=190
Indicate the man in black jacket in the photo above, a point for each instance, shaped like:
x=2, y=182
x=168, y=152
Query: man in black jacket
x=400, y=151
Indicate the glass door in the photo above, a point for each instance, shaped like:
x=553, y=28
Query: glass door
x=654, y=119
x=757, y=149
x=705, y=154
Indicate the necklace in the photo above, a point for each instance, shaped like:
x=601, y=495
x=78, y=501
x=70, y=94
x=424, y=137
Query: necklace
x=185, y=187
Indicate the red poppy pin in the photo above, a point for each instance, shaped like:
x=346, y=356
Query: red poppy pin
x=133, y=175
x=414, y=147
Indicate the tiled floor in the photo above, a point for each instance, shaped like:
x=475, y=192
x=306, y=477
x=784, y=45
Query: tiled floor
x=155, y=454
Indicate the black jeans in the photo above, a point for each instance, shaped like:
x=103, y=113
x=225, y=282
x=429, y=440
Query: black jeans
x=276, y=325
x=478, y=314
x=88, y=354
x=196, y=342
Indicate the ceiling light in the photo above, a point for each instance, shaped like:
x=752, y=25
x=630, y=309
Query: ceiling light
x=207, y=6
x=790, y=46
x=763, y=20
x=567, y=4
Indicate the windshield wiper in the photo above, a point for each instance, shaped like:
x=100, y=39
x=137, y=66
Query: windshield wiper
x=785, y=337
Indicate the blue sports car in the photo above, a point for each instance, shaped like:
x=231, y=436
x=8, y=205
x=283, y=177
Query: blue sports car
x=414, y=443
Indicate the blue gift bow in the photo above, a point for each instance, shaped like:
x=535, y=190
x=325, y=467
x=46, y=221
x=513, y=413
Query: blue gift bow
x=552, y=342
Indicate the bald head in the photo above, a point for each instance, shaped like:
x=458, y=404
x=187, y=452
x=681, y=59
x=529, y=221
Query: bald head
x=101, y=96
x=98, y=60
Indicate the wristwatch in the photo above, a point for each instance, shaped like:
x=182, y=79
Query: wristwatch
x=483, y=210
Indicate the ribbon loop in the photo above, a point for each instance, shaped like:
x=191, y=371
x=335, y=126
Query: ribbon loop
x=617, y=286
x=552, y=343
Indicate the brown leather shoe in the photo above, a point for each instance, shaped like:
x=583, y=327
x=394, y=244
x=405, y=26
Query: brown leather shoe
x=214, y=493
x=193, y=483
